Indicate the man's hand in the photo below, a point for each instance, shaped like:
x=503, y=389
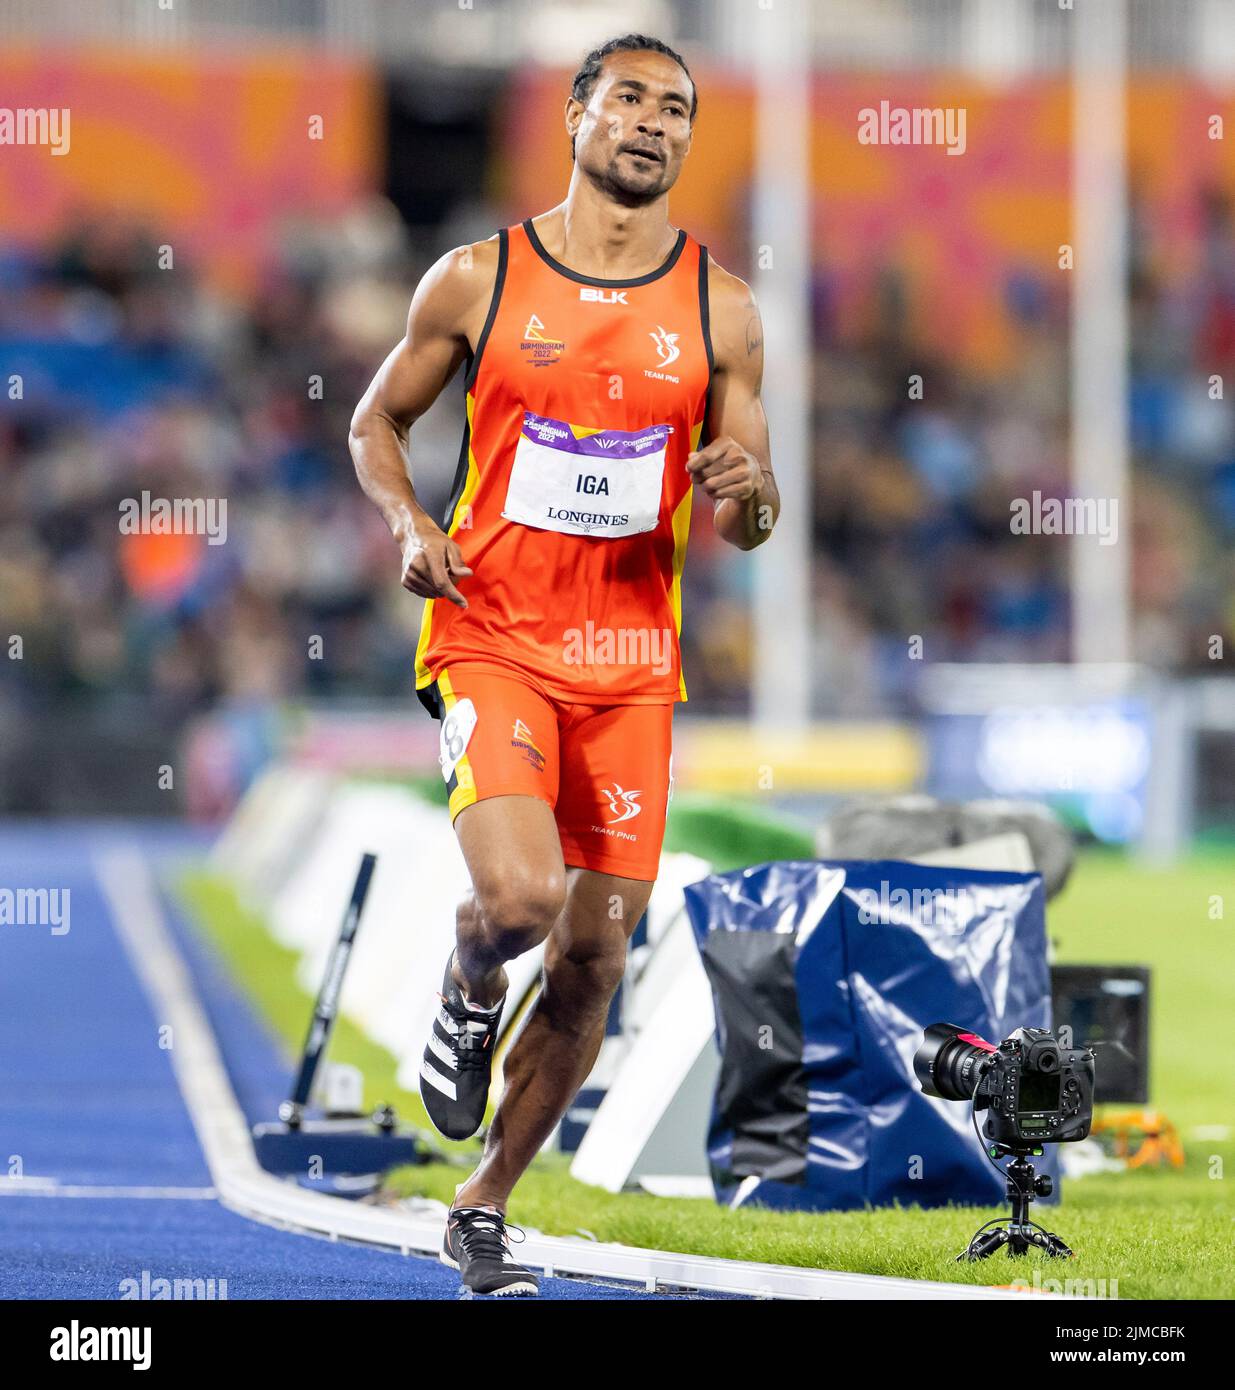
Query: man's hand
x=430, y=557
x=725, y=469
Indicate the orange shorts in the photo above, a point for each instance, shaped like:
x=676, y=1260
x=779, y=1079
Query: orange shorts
x=604, y=769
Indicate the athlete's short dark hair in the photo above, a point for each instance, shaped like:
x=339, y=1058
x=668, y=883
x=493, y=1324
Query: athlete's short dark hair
x=584, y=83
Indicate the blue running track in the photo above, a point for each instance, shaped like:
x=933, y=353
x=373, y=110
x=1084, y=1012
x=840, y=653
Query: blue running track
x=102, y=1176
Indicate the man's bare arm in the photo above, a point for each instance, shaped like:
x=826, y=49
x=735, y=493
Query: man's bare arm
x=735, y=468
x=443, y=325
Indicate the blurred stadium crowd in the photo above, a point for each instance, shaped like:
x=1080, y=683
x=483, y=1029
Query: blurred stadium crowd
x=912, y=498
x=134, y=378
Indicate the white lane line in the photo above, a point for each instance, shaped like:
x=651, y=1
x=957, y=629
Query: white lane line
x=248, y=1189
x=131, y=895
x=48, y=1187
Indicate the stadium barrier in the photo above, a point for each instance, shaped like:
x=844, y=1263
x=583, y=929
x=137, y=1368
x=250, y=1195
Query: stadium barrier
x=291, y=849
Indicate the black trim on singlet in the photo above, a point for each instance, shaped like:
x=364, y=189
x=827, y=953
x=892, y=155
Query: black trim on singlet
x=460, y=479
x=705, y=324
x=705, y=310
x=473, y=366
x=663, y=269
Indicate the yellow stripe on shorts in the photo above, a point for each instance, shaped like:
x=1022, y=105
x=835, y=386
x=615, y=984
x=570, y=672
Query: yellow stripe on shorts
x=463, y=793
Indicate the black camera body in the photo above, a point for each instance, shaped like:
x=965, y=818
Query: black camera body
x=1034, y=1090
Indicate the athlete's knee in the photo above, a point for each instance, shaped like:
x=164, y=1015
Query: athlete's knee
x=520, y=910
x=589, y=972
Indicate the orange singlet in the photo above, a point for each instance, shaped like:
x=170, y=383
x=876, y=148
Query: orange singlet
x=572, y=507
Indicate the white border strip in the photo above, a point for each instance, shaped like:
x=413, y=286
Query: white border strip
x=49, y=1187
x=246, y=1188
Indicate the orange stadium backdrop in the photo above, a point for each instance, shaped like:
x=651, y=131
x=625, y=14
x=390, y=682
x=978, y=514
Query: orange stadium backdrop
x=214, y=151
x=958, y=225
x=211, y=151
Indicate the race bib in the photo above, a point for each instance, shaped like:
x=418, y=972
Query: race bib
x=455, y=735
x=607, y=484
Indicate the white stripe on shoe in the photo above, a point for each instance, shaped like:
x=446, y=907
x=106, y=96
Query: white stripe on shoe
x=437, y=1080
x=442, y=1052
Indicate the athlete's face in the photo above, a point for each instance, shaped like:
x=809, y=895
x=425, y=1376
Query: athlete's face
x=634, y=132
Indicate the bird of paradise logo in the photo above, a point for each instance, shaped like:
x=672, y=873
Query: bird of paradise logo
x=625, y=805
x=666, y=346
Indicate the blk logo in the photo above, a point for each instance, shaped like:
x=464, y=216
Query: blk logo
x=589, y=294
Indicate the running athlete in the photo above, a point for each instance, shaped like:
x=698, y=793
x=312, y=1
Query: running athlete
x=611, y=368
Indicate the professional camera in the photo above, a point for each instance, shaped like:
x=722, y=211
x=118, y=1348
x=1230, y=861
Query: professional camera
x=1035, y=1091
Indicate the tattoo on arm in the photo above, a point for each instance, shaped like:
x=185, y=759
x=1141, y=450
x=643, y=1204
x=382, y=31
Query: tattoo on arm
x=754, y=335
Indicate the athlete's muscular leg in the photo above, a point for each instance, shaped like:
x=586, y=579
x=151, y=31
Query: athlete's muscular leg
x=550, y=1060
x=514, y=856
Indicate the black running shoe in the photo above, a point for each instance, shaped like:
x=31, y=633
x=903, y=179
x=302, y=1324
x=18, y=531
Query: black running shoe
x=477, y=1244
x=455, y=1070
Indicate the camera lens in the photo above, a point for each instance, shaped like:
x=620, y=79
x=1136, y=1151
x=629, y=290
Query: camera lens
x=950, y=1061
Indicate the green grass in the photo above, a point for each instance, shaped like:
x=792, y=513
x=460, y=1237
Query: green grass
x=267, y=973
x=1114, y=912
x=1159, y=1233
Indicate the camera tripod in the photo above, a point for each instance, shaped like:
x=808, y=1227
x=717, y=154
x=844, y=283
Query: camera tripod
x=1019, y=1234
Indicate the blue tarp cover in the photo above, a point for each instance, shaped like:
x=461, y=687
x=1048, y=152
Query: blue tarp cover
x=824, y=976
